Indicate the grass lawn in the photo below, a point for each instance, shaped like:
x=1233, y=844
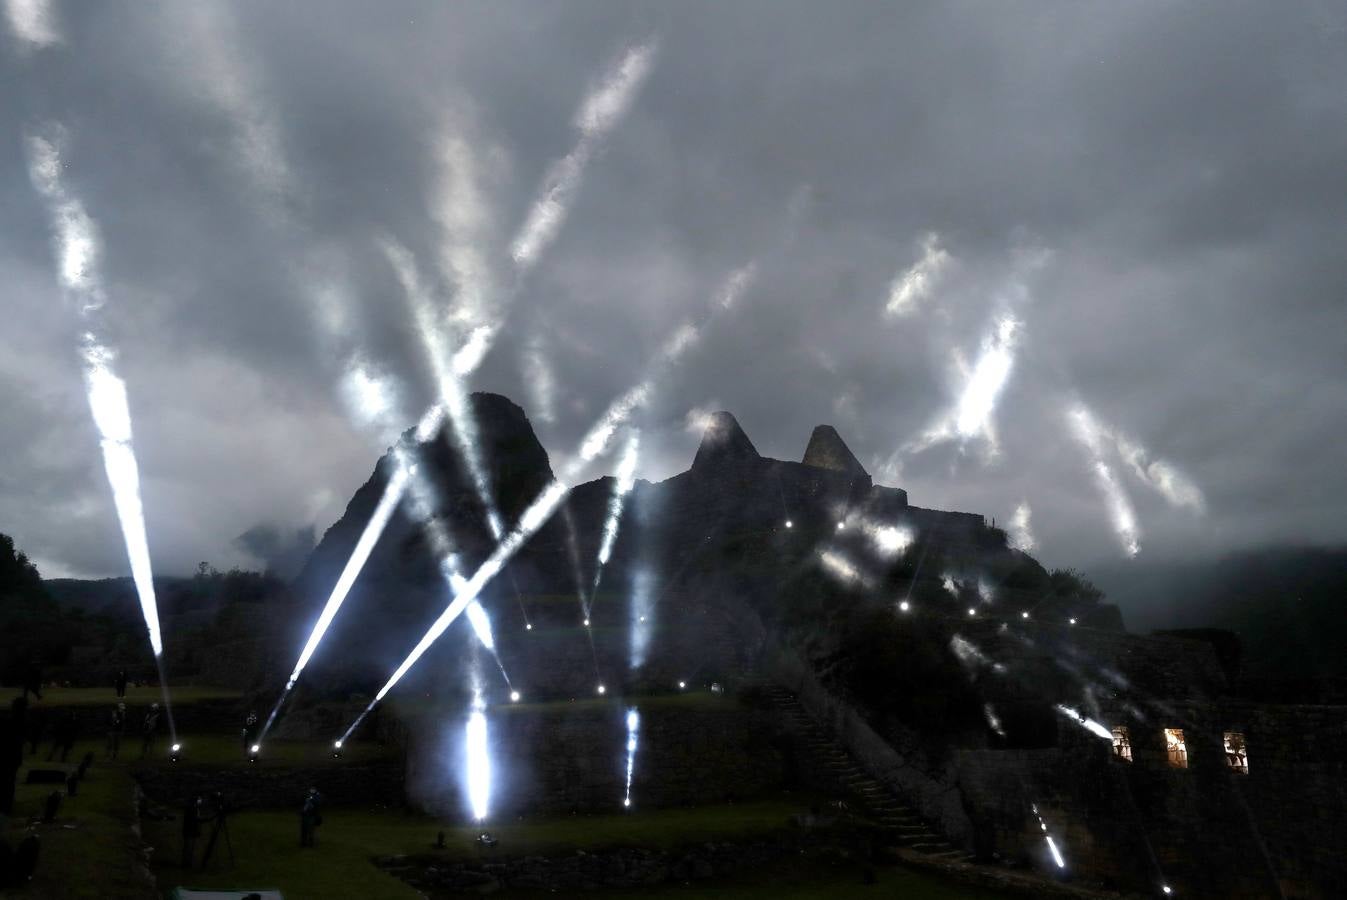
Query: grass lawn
x=135, y=696
x=268, y=854
x=89, y=851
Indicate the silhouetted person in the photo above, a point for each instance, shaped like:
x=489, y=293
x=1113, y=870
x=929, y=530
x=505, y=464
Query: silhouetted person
x=120, y=683
x=63, y=736
x=72, y=784
x=115, y=731
x=249, y=730
x=25, y=859
x=32, y=680
x=191, y=830
x=37, y=727
x=11, y=751
x=50, y=808
x=148, y=730
x=310, y=817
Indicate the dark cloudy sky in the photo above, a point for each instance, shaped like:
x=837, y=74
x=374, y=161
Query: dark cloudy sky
x=1156, y=193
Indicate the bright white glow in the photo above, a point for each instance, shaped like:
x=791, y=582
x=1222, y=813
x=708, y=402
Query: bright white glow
x=841, y=525
x=337, y=744
x=972, y=414
x=33, y=22
x=586, y=623
x=256, y=748
x=972, y=611
x=1056, y=854
x=1021, y=535
x=1072, y=621
x=904, y=606
x=539, y=380
x=986, y=591
x=915, y=284
x=479, y=765
x=682, y=685
x=602, y=690
x=625, y=481
x=374, y=529
x=1089, y=725
x=176, y=747
x=481, y=624
x=993, y=720
x=448, y=378
x=947, y=582
x=528, y=626
x=1091, y=436
x=602, y=109
x=841, y=567
x=890, y=540
x=789, y=524
x=1167, y=889
x=642, y=606
x=633, y=726
x=78, y=248
x=1024, y=615
x=514, y=696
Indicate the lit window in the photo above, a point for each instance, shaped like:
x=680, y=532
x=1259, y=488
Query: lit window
x=1236, y=753
x=1175, y=748
x=1122, y=743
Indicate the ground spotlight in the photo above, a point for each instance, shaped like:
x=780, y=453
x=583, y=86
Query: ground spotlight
x=174, y=752
x=528, y=626
x=1072, y=621
x=1024, y=615
x=904, y=606
x=336, y=749
x=1167, y=889
x=626, y=801
x=514, y=696
x=682, y=685
x=602, y=689
x=586, y=623
x=253, y=751
x=789, y=524
x=841, y=525
x=972, y=612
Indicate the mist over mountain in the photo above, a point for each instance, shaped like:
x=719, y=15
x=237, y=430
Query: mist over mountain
x=1284, y=603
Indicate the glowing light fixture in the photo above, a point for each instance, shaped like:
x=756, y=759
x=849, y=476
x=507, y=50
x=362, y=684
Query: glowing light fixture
x=1056, y=854
x=905, y=606
x=633, y=726
x=972, y=611
x=514, y=696
x=1072, y=621
x=1024, y=615
x=528, y=626
x=586, y=623
x=602, y=690
x=789, y=524
x=682, y=685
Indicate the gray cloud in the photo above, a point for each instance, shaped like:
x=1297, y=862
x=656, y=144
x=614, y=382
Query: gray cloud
x=1182, y=166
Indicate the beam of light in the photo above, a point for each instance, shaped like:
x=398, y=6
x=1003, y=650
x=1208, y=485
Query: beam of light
x=973, y=413
x=915, y=284
x=539, y=380
x=843, y=569
x=78, y=248
x=985, y=591
x=1021, y=534
x=478, y=774
x=641, y=611
x=33, y=23
x=1089, y=725
x=971, y=656
x=592, y=445
x=633, y=727
x=481, y=625
x=453, y=395
x=1088, y=432
x=1056, y=854
x=993, y=720
x=1161, y=476
x=600, y=113
x=625, y=481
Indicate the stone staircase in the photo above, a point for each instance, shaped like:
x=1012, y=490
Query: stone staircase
x=889, y=811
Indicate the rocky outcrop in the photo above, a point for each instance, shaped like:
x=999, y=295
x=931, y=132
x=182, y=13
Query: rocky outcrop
x=724, y=443
x=827, y=450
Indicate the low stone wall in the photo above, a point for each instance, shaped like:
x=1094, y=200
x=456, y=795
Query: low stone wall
x=365, y=784
x=560, y=759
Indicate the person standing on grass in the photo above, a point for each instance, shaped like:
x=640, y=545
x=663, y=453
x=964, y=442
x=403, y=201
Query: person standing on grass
x=116, y=731
x=310, y=817
x=120, y=684
x=148, y=729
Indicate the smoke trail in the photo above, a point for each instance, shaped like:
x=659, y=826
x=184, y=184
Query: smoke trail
x=972, y=414
x=1091, y=437
x=626, y=480
x=915, y=284
x=539, y=380
x=633, y=727
x=1021, y=536
x=594, y=443
x=598, y=115
x=453, y=396
x=78, y=248
x=640, y=613
x=33, y=23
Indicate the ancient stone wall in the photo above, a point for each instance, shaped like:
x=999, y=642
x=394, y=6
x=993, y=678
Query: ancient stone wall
x=267, y=786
